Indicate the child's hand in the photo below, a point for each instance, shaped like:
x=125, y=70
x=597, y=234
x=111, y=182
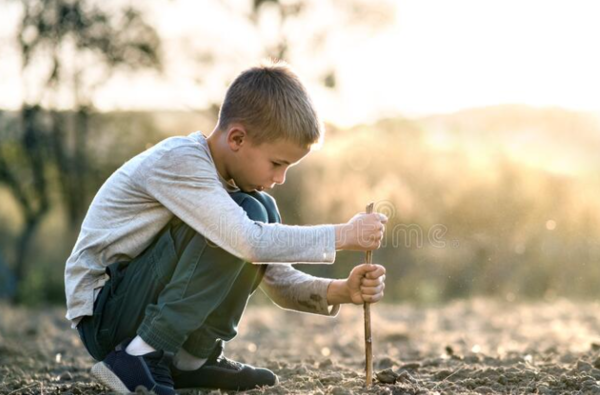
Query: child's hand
x=363, y=232
x=366, y=283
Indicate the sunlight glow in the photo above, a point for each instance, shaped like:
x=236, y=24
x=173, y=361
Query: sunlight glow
x=439, y=56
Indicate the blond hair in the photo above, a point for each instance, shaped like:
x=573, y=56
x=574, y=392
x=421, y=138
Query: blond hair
x=271, y=102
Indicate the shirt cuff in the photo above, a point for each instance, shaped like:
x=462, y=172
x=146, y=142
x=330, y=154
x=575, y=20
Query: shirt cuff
x=329, y=253
x=324, y=308
x=335, y=309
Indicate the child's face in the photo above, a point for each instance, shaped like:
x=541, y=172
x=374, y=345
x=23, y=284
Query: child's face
x=260, y=167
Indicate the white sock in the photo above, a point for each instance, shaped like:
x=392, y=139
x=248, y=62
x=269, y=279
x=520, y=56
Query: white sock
x=185, y=361
x=139, y=347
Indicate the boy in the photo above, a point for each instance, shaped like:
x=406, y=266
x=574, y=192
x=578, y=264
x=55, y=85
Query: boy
x=161, y=272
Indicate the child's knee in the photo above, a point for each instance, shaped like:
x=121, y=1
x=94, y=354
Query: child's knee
x=255, y=209
x=269, y=204
x=258, y=205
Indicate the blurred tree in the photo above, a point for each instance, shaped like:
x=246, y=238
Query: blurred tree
x=7, y=280
x=292, y=30
x=23, y=160
x=74, y=46
x=81, y=45
x=299, y=26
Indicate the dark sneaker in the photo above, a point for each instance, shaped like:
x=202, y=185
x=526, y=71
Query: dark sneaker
x=123, y=372
x=223, y=373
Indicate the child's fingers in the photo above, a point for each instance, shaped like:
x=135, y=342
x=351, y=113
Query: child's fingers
x=372, y=298
x=369, y=267
x=372, y=290
x=375, y=271
x=363, y=269
x=365, y=282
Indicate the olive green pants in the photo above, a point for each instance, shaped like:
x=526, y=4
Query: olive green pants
x=182, y=291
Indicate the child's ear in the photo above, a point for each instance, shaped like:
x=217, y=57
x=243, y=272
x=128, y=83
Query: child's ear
x=236, y=136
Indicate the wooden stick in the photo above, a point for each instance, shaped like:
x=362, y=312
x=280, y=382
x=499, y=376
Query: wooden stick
x=367, y=309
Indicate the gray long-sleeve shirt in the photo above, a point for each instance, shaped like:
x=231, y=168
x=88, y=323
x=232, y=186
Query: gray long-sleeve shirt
x=178, y=177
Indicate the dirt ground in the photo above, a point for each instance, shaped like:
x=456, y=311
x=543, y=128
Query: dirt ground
x=469, y=347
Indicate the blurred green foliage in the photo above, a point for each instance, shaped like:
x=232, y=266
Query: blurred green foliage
x=512, y=192
x=44, y=149
x=500, y=201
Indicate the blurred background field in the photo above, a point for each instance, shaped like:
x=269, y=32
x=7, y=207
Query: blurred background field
x=484, y=154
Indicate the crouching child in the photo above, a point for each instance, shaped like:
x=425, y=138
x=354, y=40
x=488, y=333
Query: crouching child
x=178, y=238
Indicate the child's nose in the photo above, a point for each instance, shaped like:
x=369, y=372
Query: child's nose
x=279, y=178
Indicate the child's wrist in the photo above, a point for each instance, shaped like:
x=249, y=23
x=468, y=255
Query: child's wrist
x=338, y=292
x=341, y=235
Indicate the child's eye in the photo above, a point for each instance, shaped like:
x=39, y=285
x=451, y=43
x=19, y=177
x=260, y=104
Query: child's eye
x=275, y=164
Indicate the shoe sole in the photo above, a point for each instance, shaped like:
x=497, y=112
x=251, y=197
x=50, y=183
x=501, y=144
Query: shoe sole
x=109, y=379
x=234, y=389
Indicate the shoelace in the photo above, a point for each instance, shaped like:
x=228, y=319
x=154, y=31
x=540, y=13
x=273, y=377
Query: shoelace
x=221, y=360
x=159, y=368
x=227, y=363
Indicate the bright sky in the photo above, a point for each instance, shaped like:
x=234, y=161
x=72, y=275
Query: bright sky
x=438, y=56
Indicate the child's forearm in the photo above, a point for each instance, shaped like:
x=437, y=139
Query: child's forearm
x=338, y=293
